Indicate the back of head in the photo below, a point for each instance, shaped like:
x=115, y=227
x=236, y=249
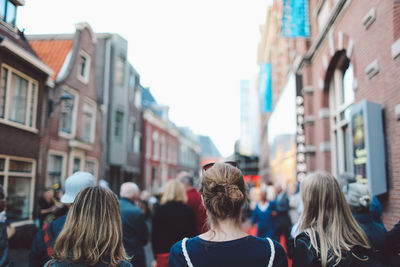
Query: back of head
x=186, y=178
x=224, y=192
x=327, y=215
x=76, y=183
x=92, y=231
x=173, y=191
x=358, y=197
x=346, y=178
x=129, y=190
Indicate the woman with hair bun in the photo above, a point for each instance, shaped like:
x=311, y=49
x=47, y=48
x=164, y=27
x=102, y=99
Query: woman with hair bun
x=225, y=244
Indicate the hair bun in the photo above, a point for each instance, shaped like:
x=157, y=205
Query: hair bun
x=233, y=193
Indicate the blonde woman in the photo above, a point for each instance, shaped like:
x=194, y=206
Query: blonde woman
x=172, y=221
x=330, y=235
x=92, y=234
x=225, y=244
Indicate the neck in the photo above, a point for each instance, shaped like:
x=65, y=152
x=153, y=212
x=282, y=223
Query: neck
x=225, y=230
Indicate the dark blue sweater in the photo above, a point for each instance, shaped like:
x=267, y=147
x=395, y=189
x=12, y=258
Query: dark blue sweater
x=246, y=251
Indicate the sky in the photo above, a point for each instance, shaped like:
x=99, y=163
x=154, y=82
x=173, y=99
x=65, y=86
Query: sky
x=192, y=54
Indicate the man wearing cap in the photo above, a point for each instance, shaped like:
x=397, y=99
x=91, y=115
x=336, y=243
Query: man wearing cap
x=42, y=246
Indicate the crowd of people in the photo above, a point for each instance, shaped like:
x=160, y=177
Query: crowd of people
x=323, y=222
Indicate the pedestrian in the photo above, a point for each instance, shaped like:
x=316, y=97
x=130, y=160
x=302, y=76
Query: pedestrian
x=330, y=235
x=282, y=219
x=225, y=243
x=92, y=234
x=4, y=260
x=375, y=206
x=172, y=221
x=393, y=245
x=194, y=201
x=46, y=207
x=43, y=243
x=134, y=228
x=359, y=200
x=262, y=215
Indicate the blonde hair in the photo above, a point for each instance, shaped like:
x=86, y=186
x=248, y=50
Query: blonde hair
x=174, y=191
x=327, y=218
x=224, y=192
x=92, y=232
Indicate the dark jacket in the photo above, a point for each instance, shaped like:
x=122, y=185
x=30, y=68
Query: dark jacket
x=393, y=244
x=3, y=245
x=54, y=263
x=134, y=229
x=306, y=256
x=376, y=233
x=171, y=222
x=38, y=254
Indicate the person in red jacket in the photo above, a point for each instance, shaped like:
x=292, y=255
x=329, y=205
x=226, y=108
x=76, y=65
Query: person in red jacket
x=194, y=201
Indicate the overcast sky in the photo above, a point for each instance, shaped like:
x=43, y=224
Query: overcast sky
x=192, y=54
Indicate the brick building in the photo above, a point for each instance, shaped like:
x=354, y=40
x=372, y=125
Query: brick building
x=160, y=151
x=72, y=140
x=352, y=55
x=24, y=87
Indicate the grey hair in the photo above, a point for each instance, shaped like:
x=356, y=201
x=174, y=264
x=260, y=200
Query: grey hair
x=188, y=179
x=129, y=190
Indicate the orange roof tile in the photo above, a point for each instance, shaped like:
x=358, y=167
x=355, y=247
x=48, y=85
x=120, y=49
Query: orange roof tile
x=52, y=52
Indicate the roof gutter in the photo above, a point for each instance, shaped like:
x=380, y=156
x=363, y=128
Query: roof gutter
x=28, y=57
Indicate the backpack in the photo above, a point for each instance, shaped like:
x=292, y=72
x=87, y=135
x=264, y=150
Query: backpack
x=48, y=238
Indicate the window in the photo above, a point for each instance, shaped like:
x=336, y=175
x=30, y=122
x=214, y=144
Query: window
x=76, y=167
x=84, y=67
x=8, y=11
x=132, y=80
x=91, y=166
x=119, y=71
x=132, y=135
x=55, y=169
x=68, y=115
x=18, y=99
x=119, y=116
x=137, y=142
x=138, y=98
x=341, y=97
x=156, y=146
x=17, y=175
x=88, y=122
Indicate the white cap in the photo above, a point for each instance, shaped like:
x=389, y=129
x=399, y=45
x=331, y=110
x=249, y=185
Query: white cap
x=75, y=184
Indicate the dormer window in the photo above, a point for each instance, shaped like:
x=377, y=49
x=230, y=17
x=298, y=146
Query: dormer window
x=83, y=67
x=8, y=12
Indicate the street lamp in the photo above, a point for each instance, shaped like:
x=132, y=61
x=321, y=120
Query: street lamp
x=68, y=98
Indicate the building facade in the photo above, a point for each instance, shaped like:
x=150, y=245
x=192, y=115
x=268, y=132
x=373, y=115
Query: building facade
x=347, y=93
x=189, y=152
x=71, y=141
x=119, y=91
x=24, y=86
x=160, y=148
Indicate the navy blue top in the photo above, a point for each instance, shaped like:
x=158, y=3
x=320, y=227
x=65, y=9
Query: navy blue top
x=245, y=251
x=264, y=220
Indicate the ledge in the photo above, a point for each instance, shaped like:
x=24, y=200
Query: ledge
x=396, y=49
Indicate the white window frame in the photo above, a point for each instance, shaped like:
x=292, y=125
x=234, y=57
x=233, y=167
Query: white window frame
x=7, y=101
x=6, y=173
x=86, y=77
x=75, y=109
x=96, y=164
x=76, y=154
x=90, y=106
x=64, y=156
x=156, y=145
x=337, y=124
